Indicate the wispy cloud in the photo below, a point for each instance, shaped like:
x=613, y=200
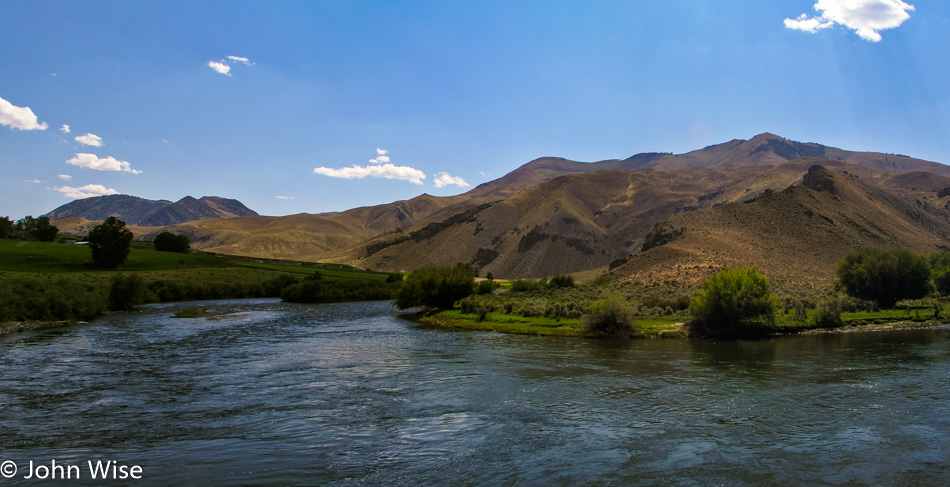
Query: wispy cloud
x=224, y=66
x=109, y=163
x=65, y=177
x=865, y=17
x=20, y=118
x=90, y=139
x=386, y=171
x=64, y=129
x=240, y=59
x=443, y=179
x=33, y=181
x=284, y=197
x=86, y=191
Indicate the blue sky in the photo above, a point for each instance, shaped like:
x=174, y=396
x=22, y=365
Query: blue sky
x=317, y=106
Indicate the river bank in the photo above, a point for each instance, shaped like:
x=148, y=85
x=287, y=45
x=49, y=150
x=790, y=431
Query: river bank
x=18, y=326
x=654, y=328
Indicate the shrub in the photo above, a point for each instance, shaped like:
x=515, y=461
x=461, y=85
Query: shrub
x=125, y=292
x=609, y=317
x=525, y=285
x=828, y=314
x=394, y=277
x=49, y=300
x=733, y=302
x=485, y=287
x=170, y=242
x=884, y=276
x=601, y=280
x=560, y=281
x=436, y=287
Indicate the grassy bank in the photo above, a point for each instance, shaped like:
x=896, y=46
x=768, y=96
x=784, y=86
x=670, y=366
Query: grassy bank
x=660, y=327
x=45, y=281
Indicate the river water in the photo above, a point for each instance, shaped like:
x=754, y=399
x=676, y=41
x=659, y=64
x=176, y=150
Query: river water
x=270, y=393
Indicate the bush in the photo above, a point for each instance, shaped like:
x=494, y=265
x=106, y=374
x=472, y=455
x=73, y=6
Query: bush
x=48, y=300
x=170, y=242
x=733, y=302
x=110, y=243
x=560, y=281
x=609, y=317
x=525, y=285
x=125, y=292
x=828, y=314
x=485, y=287
x=436, y=287
x=884, y=276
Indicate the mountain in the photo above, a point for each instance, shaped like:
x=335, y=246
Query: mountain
x=142, y=212
x=658, y=211
x=797, y=235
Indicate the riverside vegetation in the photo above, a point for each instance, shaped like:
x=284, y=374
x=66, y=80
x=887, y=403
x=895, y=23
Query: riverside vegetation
x=58, y=281
x=731, y=303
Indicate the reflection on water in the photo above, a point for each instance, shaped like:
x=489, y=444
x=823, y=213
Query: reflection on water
x=274, y=393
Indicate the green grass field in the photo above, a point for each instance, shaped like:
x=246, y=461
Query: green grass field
x=19, y=259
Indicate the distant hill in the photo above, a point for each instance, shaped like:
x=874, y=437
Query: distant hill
x=142, y=212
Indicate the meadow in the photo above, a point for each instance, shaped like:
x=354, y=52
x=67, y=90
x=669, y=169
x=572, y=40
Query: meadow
x=53, y=281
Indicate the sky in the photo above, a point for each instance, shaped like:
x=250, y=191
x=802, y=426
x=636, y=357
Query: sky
x=316, y=106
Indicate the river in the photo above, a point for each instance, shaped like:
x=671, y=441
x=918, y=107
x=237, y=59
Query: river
x=271, y=393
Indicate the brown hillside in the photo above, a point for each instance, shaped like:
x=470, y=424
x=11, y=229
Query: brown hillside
x=796, y=236
x=553, y=215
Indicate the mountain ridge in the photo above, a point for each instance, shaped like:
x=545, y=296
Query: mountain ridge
x=555, y=216
x=144, y=212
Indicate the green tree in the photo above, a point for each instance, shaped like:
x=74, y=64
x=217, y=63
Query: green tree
x=6, y=227
x=36, y=229
x=110, y=243
x=940, y=267
x=733, y=302
x=436, y=287
x=170, y=242
x=884, y=276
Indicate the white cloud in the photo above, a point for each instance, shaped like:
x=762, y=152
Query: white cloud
x=220, y=67
x=86, y=191
x=443, y=179
x=91, y=161
x=64, y=129
x=381, y=157
x=33, y=181
x=20, y=118
x=284, y=197
x=808, y=24
x=90, y=139
x=65, y=177
x=241, y=60
x=387, y=171
x=224, y=66
x=865, y=17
